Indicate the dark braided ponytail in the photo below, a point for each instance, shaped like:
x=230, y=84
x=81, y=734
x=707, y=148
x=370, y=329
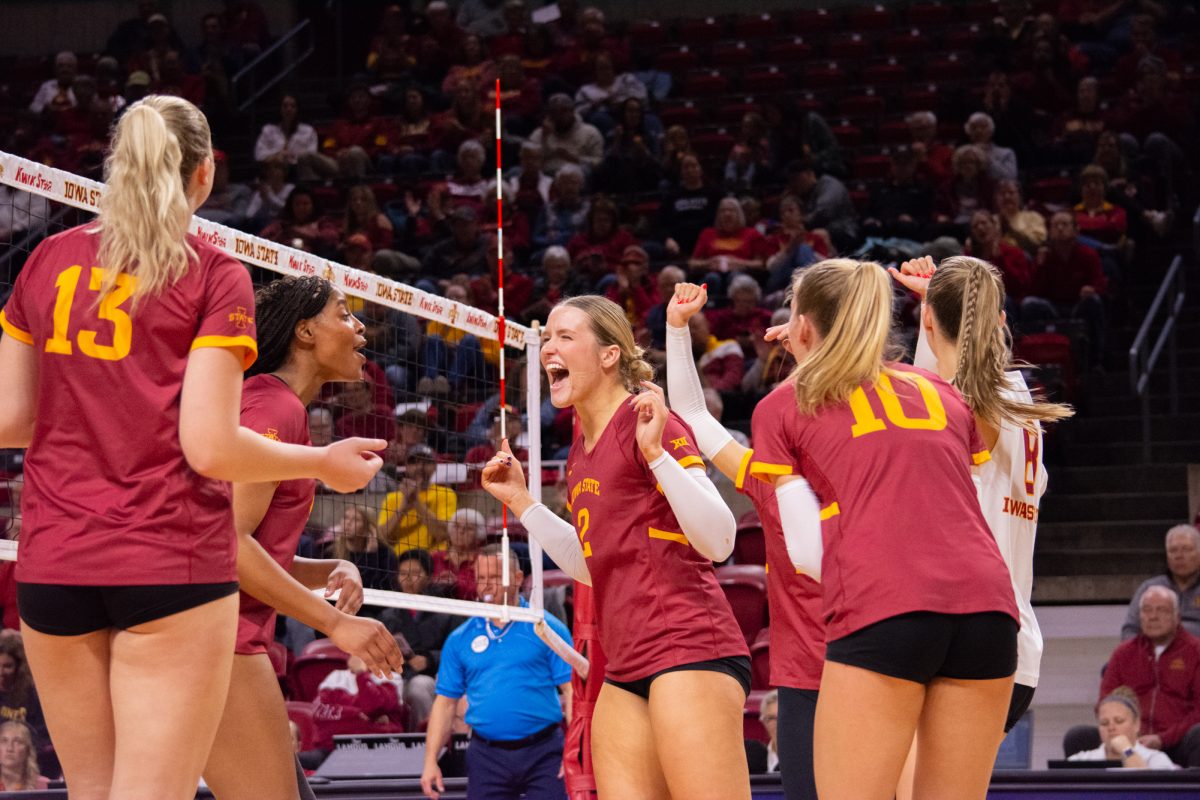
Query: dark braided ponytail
x=279, y=307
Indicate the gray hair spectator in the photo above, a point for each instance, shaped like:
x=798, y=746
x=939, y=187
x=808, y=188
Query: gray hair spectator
x=57, y=93
x=1182, y=544
x=1001, y=161
x=765, y=758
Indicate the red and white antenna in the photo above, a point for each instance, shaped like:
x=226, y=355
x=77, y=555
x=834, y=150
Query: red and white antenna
x=501, y=330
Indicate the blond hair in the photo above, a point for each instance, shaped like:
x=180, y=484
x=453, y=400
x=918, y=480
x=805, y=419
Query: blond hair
x=967, y=297
x=611, y=328
x=144, y=214
x=29, y=772
x=849, y=303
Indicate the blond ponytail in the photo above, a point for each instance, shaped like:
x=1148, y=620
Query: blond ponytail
x=850, y=305
x=611, y=327
x=144, y=214
x=967, y=297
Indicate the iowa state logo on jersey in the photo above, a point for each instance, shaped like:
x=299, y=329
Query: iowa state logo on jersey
x=272, y=434
x=240, y=318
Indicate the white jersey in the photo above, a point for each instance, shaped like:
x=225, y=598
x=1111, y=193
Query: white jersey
x=1011, y=486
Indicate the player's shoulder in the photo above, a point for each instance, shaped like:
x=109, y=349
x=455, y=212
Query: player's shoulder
x=82, y=239
x=779, y=405
x=265, y=391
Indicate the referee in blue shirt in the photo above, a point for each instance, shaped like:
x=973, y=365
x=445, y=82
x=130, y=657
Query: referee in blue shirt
x=512, y=680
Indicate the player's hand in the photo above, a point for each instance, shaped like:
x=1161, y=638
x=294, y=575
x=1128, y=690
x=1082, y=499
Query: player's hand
x=431, y=781
x=345, y=577
x=419, y=663
x=369, y=640
x=503, y=477
x=914, y=275
x=689, y=298
x=349, y=465
x=651, y=410
x=778, y=333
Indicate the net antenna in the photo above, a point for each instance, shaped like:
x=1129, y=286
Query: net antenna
x=506, y=577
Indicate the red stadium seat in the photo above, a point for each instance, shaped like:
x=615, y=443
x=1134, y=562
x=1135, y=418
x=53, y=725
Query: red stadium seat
x=789, y=51
x=872, y=18
x=964, y=38
x=752, y=728
x=760, y=660
x=815, y=20
x=695, y=31
x=646, y=33
x=732, y=54
x=1053, y=192
x=826, y=75
x=892, y=71
x=849, y=46
x=763, y=79
x=704, y=83
x=1053, y=350
x=385, y=192
x=946, y=68
x=750, y=547
x=810, y=102
x=894, y=131
x=923, y=98
x=758, y=25
x=676, y=60
x=745, y=587
x=847, y=135
x=279, y=658
x=713, y=144
x=309, y=670
x=678, y=113
x=867, y=104
x=929, y=14
x=981, y=11
x=301, y=713
x=861, y=196
x=328, y=197
x=732, y=113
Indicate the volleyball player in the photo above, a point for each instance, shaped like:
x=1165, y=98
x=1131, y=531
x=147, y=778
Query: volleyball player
x=964, y=339
x=648, y=524
x=306, y=338
x=797, y=631
x=122, y=356
x=921, y=622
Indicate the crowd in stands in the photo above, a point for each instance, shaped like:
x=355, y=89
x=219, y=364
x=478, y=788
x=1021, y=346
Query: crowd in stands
x=1048, y=138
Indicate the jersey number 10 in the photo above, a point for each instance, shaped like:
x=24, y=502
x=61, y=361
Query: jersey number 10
x=109, y=310
x=866, y=422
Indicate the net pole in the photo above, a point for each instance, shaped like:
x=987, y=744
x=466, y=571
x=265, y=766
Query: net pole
x=533, y=402
x=504, y=544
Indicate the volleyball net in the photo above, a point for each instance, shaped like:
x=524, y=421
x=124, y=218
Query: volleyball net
x=431, y=389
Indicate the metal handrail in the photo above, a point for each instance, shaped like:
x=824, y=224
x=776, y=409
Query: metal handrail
x=1143, y=361
x=247, y=73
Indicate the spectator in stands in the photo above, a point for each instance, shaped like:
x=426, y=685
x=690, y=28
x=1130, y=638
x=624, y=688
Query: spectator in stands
x=247, y=26
x=18, y=697
x=527, y=185
x=902, y=207
x=361, y=414
x=1182, y=576
x=1001, y=162
x=520, y=95
x=566, y=211
x=171, y=78
x=631, y=162
x=158, y=45
x=1144, y=42
x=1011, y=33
x=356, y=539
x=826, y=203
x=1162, y=666
x=676, y=144
x=1021, y=227
x=425, y=632
x=1046, y=85
x=412, y=429
x=567, y=139
x=1077, y=129
x=969, y=189
x=1013, y=121
x=363, y=216
x=465, y=119
x=57, y=93
x=1155, y=120
x=601, y=231
x=18, y=759
x=773, y=362
x=294, y=143
x=227, y=202
x=413, y=133
x=454, y=567
x=132, y=35
x=656, y=317
x=462, y=253
x=987, y=243
x=511, y=677
x=635, y=290
x=358, y=136
x=556, y=281
x=1118, y=718
x=81, y=131
x=137, y=86
x=688, y=208
x=215, y=54
x=720, y=362
x=270, y=196
x=744, y=320
x=599, y=102
x=302, y=225
x=516, y=27
x=352, y=700
x=454, y=360
x=484, y=18
x=415, y=515
x=729, y=245
x=933, y=157
x=471, y=65
x=320, y=426
x=466, y=186
x=1068, y=281
x=1095, y=217
x=753, y=155
x=805, y=132
x=763, y=758
x=108, y=83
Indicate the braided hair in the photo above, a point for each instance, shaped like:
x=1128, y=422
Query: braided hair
x=279, y=307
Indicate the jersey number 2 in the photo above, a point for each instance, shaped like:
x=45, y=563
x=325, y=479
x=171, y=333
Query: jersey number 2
x=109, y=310
x=582, y=519
x=866, y=422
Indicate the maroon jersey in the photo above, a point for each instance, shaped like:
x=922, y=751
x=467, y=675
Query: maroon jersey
x=902, y=527
x=658, y=603
x=109, y=498
x=797, y=633
x=272, y=409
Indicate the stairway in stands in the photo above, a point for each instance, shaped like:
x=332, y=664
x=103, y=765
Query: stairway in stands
x=1106, y=511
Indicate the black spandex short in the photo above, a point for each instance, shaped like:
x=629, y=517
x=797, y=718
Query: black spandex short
x=925, y=645
x=60, y=610
x=736, y=667
x=1022, y=696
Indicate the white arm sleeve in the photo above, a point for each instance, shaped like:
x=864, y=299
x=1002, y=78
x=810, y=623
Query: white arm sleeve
x=800, y=514
x=706, y=521
x=558, y=538
x=924, y=357
x=687, y=396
